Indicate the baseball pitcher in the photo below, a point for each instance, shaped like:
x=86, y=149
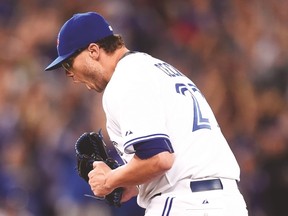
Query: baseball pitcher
x=177, y=159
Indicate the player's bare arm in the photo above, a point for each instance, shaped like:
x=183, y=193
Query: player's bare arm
x=103, y=180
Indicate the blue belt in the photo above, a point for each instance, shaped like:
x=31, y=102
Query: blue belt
x=203, y=185
x=206, y=185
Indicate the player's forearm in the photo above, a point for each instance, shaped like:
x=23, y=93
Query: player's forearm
x=139, y=171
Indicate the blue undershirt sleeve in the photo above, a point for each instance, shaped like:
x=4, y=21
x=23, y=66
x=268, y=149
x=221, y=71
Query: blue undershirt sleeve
x=148, y=149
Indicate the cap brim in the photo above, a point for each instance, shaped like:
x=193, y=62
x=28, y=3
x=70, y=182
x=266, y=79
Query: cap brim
x=58, y=61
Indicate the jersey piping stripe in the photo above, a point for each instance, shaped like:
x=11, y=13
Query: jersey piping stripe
x=165, y=206
x=168, y=206
x=145, y=138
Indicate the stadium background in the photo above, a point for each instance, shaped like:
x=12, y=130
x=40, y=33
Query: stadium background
x=236, y=51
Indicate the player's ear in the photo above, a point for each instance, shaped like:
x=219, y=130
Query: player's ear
x=94, y=50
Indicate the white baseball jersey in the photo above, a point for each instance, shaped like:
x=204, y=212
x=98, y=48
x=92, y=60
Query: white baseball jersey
x=147, y=98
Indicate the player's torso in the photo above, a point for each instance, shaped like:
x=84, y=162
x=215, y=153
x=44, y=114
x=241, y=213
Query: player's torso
x=148, y=96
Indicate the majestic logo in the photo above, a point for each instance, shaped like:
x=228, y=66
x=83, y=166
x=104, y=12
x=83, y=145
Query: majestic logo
x=205, y=201
x=128, y=133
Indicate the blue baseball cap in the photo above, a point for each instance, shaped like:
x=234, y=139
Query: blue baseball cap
x=78, y=32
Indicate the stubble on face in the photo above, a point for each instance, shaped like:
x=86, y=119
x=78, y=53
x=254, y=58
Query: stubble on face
x=94, y=78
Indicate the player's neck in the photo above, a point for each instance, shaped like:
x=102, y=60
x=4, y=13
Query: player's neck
x=120, y=53
x=113, y=59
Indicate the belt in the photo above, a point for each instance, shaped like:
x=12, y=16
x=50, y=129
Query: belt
x=206, y=185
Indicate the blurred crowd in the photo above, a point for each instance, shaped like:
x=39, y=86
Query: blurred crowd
x=236, y=51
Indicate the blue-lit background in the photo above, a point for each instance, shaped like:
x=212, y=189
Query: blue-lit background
x=236, y=51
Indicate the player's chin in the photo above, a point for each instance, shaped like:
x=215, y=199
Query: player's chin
x=94, y=87
x=98, y=90
x=88, y=86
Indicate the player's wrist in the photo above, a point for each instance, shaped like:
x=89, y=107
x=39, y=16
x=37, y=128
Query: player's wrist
x=110, y=184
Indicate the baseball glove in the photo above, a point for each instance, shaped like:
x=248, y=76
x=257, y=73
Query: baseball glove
x=91, y=147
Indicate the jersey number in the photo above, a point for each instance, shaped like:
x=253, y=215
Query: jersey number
x=199, y=122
